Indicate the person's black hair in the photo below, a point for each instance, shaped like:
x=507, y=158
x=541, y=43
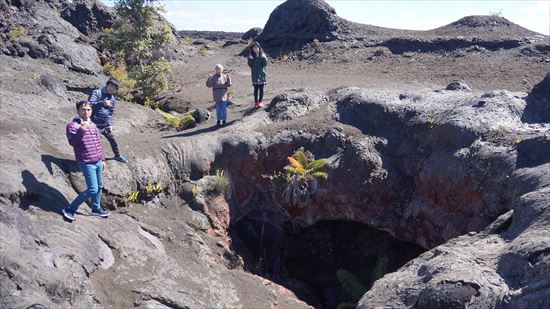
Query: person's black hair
x=81, y=103
x=113, y=81
x=261, y=50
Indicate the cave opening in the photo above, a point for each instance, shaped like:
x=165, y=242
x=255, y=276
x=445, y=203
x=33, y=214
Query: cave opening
x=330, y=264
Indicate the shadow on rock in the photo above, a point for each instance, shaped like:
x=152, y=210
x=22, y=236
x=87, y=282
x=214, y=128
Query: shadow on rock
x=537, y=109
x=41, y=194
x=66, y=165
x=201, y=131
x=533, y=152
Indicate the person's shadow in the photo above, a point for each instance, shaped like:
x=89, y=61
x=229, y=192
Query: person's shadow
x=41, y=195
x=66, y=165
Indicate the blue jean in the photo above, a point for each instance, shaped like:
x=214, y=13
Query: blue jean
x=93, y=173
x=221, y=110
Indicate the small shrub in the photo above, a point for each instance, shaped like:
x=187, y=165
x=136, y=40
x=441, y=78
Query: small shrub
x=517, y=140
x=133, y=197
x=502, y=128
x=154, y=78
x=120, y=73
x=316, y=42
x=408, y=54
x=153, y=188
x=431, y=122
x=203, y=51
x=196, y=190
x=285, y=57
x=151, y=104
x=222, y=182
x=108, y=30
x=16, y=33
x=186, y=41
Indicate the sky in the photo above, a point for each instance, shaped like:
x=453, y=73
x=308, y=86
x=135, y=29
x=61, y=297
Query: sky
x=239, y=16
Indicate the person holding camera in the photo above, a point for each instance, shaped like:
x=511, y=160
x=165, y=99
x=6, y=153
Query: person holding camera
x=103, y=106
x=220, y=83
x=83, y=136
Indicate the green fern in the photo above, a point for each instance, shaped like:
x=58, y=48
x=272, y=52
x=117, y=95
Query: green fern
x=323, y=175
x=302, y=178
x=350, y=283
x=315, y=165
x=133, y=197
x=346, y=306
x=300, y=156
x=380, y=268
x=176, y=122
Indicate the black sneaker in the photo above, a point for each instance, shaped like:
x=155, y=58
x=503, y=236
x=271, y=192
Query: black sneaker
x=218, y=123
x=224, y=122
x=100, y=212
x=121, y=159
x=68, y=214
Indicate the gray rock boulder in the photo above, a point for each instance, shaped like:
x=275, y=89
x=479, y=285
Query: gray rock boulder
x=252, y=34
x=290, y=106
x=88, y=16
x=57, y=39
x=53, y=85
x=458, y=85
x=297, y=22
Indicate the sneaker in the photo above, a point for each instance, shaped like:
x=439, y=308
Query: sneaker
x=121, y=159
x=100, y=213
x=224, y=122
x=260, y=104
x=218, y=122
x=68, y=214
x=256, y=104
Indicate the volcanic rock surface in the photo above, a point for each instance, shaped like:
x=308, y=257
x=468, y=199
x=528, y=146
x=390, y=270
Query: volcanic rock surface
x=451, y=188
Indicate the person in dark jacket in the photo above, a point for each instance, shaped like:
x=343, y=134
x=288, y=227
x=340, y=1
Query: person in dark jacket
x=103, y=106
x=257, y=61
x=84, y=136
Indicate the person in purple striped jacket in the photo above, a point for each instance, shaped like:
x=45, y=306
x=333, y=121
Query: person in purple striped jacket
x=84, y=136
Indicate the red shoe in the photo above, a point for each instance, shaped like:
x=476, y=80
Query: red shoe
x=260, y=104
x=256, y=104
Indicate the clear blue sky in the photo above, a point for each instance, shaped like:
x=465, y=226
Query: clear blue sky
x=229, y=15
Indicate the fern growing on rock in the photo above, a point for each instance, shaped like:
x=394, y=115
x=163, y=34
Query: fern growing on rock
x=179, y=123
x=351, y=284
x=302, y=178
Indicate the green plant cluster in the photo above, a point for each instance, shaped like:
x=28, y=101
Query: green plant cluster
x=16, y=33
x=132, y=40
x=149, y=191
x=179, y=123
x=300, y=179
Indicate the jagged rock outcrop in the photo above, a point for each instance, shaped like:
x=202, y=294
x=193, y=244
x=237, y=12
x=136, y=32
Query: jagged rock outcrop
x=88, y=16
x=541, y=91
x=252, y=34
x=296, y=22
x=425, y=166
x=36, y=29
